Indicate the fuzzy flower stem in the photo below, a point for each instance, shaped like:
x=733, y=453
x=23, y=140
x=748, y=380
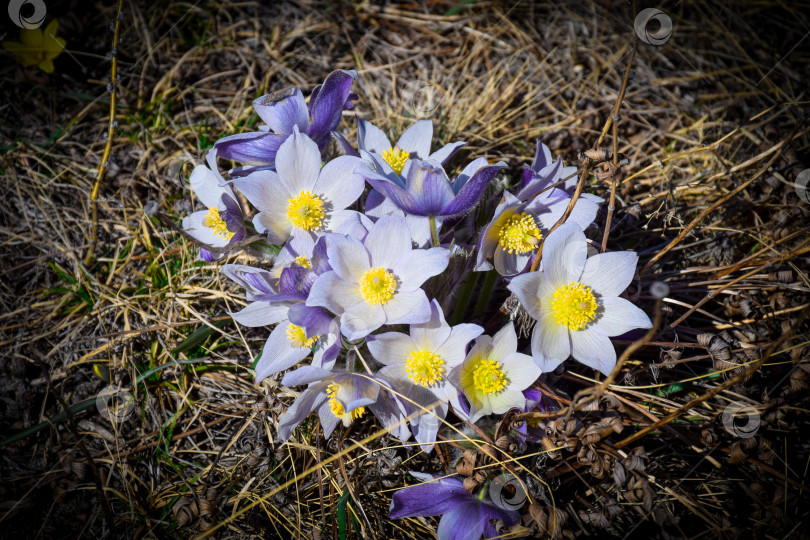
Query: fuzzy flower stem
x=434, y=233
x=486, y=291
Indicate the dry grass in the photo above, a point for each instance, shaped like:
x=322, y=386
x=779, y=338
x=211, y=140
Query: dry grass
x=713, y=126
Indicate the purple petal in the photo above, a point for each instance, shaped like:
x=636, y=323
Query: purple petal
x=256, y=148
x=469, y=194
x=314, y=320
x=431, y=499
x=257, y=282
x=282, y=111
x=327, y=105
x=429, y=184
x=310, y=399
x=306, y=375
x=260, y=314
x=464, y=522
x=398, y=196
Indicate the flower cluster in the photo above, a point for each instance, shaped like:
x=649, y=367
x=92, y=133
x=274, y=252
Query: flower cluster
x=363, y=279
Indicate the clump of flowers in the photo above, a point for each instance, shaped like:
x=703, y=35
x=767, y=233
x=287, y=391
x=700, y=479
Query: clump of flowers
x=368, y=269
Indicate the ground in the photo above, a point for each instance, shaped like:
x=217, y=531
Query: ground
x=713, y=132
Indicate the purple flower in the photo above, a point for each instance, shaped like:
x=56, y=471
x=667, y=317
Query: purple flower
x=301, y=196
x=287, y=110
x=340, y=396
x=544, y=172
x=464, y=516
x=427, y=190
x=377, y=281
x=221, y=223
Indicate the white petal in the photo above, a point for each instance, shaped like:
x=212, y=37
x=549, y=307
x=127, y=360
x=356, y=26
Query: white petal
x=407, y=308
x=609, y=274
x=361, y=319
x=276, y=225
x=529, y=289
x=298, y=162
x=521, y=370
x=416, y=139
x=391, y=348
x=594, y=349
x=260, y=314
x=619, y=316
x=193, y=225
x=388, y=241
x=338, y=184
x=205, y=185
x=333, y=293
x=278, y=354
x=564, y=254
x=504, y=343
x=454, y=349
x=507, y=399
x=419, y=265
x=371, y=138
x=264, y=191
x=347, y=256
x=550, y=343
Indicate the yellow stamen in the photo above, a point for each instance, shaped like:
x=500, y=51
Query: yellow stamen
x=305, y=211
x=488, y=377
x=377, y=286
x=519, y=234
x=396, y=157
x=298, y=337
x=574, y=305
x=337, y=407
x=302, y=261
x=213, y=221
x=425, y=368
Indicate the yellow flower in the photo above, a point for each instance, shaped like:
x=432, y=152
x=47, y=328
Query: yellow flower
x=37, y=47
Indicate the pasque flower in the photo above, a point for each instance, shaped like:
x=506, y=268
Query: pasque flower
x=418, y=365
x=575, y=300
x=222, y=221
x=37, y=47
x=494, y=374
x=340, y=396
x=301, y=195
x=413, y=143
x=260, y=290
x=377, y=281
x=464, y=516
x=426, y=189
x=286, y=111
x=545, y=172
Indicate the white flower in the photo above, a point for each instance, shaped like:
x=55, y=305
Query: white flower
x=494, y=375
x=301, y=195
x=575, y=301
x=417, y=365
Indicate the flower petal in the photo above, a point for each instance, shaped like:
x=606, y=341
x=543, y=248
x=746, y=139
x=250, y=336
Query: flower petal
x=205, y=185
x=609, y=274
x=619, y=316
x=429, y=499
x=298, y=163
x=264, y=190
x=327, y=106
x=193, y=225
x=310, y=399
x=278, y=354
x=416, y=139
x=255, y=148
x=594, y=349
x=564, y=254
x=407, y=308
x=371, y=138
x=464, y=522
x=429, y=184
x=550, y=343
x=388, y=241
x=348, y=257
x=390, y=348
x=282, y=111
x=338, y=183
x=419, y=265
x=333, y=293
x=521, y=370
x=469, y=194
x=443, y=154
x=530, y=288
x=260, y=314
